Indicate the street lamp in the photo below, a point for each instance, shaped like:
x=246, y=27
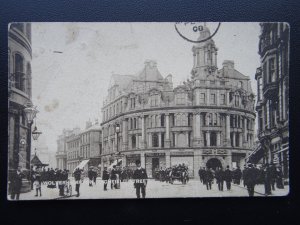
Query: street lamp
x=30, y=112
x=117, y=131
x=35, y=133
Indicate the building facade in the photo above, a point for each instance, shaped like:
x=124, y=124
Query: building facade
x=273, y=96
x=61, y=153
x=91, y=144
x=206, y=122
x=82, y=146
x=73, y=147
x=19, y=94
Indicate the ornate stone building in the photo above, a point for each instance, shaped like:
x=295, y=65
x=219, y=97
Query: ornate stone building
x=19, y=95
x=273, y=96
x=207, y=121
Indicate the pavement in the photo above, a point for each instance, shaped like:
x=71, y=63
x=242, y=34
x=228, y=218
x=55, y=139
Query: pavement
x=155, y=189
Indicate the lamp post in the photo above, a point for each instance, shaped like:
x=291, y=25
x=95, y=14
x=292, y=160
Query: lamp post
x=30, y=113
x=117, y=131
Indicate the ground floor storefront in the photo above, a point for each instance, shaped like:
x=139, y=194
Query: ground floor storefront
x=154, y=160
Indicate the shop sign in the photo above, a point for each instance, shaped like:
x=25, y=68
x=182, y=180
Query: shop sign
x=182, y=153
x=133, y=156
x=154, y=154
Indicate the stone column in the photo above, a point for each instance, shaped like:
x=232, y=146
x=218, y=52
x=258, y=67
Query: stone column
x=228, y=129
x=124, y=135
x=167, y=138
x=196, y=129
x=227, y=98
x=168, y=159
x=143, y=133
x=187, y=138
x=245, y=129
x=208, y=138
x=218, y=138
x=241, y=140
x=176, y=139
x=149, y=140
x=195, y=62
x=208, y=96
x=143, y=160
x=233, y=138
x=218, y=97
x=159, y=140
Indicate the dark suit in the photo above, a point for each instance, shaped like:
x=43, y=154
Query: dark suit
x=250, y=179
x=16, y=184
x=228, y=178
x=140, y=177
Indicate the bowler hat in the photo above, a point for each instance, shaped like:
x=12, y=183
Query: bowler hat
x=137, y=162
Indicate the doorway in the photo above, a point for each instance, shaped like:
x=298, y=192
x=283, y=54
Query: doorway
x=213, y=163
x=155, y=166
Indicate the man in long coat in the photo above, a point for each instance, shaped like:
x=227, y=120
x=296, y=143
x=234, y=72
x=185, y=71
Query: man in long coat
x=228, y=177
x=16, y=183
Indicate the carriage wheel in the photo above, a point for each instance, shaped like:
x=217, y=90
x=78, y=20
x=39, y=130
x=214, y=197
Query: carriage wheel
x=70, y=190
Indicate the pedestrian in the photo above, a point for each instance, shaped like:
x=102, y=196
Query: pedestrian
x=77, y=176
x=273, y=176
x=200, y=173
x=279, y=178
x=37, y=183
x=208, y=177
x=267, y=179
x=16, y=183
x=105, y=177
x=250, y=179
x=237, y=175
x=228, y=178
x=90, y=176
x=220, y=178
x=140, y=180
x=95, y=176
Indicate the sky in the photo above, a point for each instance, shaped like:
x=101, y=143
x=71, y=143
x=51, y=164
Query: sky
x=72, y=64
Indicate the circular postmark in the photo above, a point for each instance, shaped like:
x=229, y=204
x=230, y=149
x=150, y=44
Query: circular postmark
x=189, y=31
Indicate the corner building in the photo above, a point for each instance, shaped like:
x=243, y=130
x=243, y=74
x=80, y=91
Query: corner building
x=206, y=122
x=19, y=94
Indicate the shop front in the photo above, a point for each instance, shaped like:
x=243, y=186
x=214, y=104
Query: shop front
x=154, y=161
x=186, y=158
x=131, y=159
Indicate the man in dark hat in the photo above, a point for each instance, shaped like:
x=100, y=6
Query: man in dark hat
x=140, y=180
x=250, y=179
x=77, y=176
x=228, y=178
x=105, y=177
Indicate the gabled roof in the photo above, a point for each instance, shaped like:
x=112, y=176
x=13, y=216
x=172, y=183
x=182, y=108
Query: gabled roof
x=36, y=161
x=150, y=72
x=121, y=80
x=233, y=74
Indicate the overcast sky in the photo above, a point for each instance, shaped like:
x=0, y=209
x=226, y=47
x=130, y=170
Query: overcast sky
x=69, y=87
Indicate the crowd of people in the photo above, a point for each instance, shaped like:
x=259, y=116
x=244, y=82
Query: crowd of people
x=252, y=175
x=176, y=170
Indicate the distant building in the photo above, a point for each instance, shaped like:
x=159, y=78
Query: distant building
x=19, y=93
x=273, y=96
x=80, y=148
x=206, y=122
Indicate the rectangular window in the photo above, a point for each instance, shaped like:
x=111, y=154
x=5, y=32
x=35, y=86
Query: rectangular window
x=272, y=77
x=202, y=98
x=222, y=99
x=213, y=99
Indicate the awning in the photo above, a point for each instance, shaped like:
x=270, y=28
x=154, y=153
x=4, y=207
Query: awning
x=82, y=164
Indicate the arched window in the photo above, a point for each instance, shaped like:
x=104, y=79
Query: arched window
x=19, y=72
x=154, y=140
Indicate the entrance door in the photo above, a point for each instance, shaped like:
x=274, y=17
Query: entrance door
x=155, y=166
x=213, y=164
